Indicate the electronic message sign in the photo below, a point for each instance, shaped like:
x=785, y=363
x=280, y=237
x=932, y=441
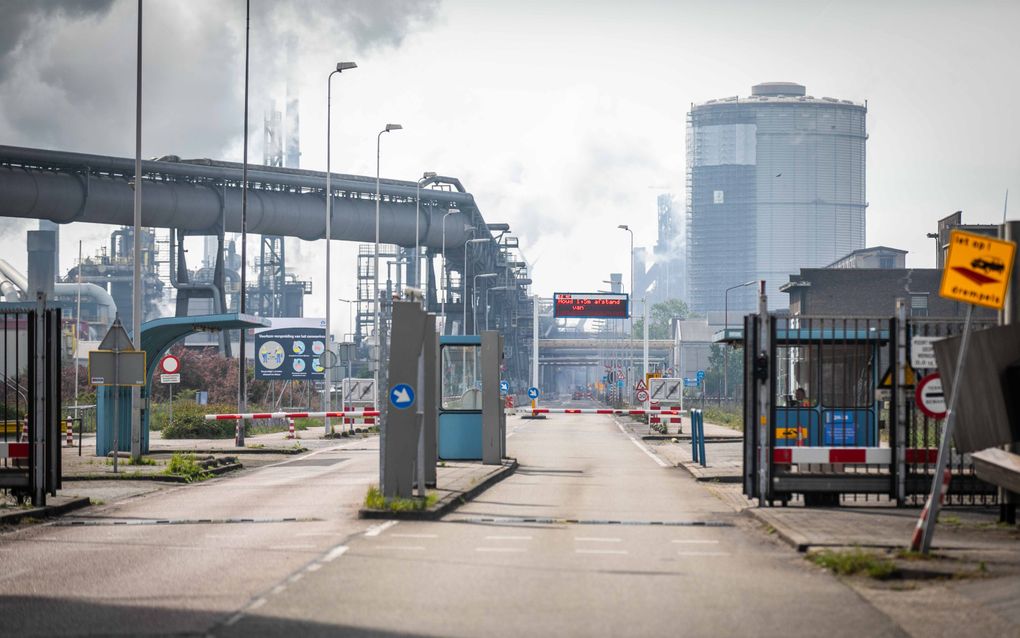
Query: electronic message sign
x=591, y=305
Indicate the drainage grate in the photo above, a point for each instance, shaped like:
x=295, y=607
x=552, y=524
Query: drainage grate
x=576, y=521
x=178, y=521
x=315, y=462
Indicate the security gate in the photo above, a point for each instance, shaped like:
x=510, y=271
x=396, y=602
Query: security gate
x=839, y=418
x=30, y=462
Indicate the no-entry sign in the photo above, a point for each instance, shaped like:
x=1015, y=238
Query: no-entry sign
x=170, y=364
x=930, y=398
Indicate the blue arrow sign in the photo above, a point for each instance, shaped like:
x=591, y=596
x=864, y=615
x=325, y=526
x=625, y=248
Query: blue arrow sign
x=402, y=396
x=701, y=375
x=504, y=386
x=533, y=393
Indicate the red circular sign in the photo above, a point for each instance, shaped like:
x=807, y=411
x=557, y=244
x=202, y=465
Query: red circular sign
x=929, y=396
x=642, y=396
x=170, y=364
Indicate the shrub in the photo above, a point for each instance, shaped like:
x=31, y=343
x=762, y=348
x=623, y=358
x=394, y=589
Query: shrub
x=185, y=465
x=189, y=422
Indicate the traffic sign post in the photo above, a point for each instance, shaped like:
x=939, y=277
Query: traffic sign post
x=170, y=367
x=116, y=363
x=977, y=272
x=504, y=387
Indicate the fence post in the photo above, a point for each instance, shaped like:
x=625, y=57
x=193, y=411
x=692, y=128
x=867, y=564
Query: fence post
x=899, y=430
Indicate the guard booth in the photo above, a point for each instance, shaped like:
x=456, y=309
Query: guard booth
x=472, y=421
x=831, y=401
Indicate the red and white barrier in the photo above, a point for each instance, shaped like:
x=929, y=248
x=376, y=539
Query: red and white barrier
x=24, y=430
x=290, y=427
x=356, y=414
x=70, y=432
x=13, y=450
x=637, y=412
x=850, y=455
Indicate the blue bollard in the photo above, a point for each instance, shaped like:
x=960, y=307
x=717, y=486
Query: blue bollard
x=694, y=435
x=701, y=438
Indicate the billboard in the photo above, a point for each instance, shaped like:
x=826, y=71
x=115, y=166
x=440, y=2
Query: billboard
x=593, y=305
x=291, y=349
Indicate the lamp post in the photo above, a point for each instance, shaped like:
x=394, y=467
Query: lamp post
x=442, y=304
x=630, y=305
x=327, y=391
x=474, y=306
x=726, y=336
x=426, y=176
x=487, y=301
x=375, y=269
x=463, y=292
x=350, y=310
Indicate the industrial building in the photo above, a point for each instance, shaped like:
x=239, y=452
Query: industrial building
x=659, y=272
x=775, y=183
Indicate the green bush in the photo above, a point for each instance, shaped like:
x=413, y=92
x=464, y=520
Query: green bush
x=186, y=465
x=189, y=422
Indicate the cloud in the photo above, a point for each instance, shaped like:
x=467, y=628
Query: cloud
x=23, y=19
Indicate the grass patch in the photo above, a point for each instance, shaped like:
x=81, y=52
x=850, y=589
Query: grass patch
x=186, y=466
x=950, y=520
x=375, y=500
x=733, y=419
x=96, y=501
x=855, y=561
x=142, y=460
x=255, y=446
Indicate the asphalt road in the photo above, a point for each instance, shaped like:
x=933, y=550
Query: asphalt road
x=167, y=563
x=592, y=536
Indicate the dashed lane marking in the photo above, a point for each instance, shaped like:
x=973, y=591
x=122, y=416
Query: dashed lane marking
x=334, y=554
x=178, y=521
x=375, y=530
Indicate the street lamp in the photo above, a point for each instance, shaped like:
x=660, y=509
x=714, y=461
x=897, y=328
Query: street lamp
x=726, y=336
x=442, y=304
x=474, y=306
x=630, y=306
x=463, y=287
x=487, y=301
x=426, y=176
x=375, y=269
x=327, y=391
x=350, y=311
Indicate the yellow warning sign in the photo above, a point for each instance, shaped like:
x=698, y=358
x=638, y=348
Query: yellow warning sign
x=888, y=381
x=791, y=433
x=977, y=269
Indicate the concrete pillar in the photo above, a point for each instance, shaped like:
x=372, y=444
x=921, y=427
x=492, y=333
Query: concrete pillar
x=42, y=246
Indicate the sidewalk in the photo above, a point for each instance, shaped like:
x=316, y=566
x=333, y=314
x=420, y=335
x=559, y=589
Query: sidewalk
x=723, y=450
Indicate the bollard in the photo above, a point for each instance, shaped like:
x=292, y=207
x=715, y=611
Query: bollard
x=70, y=432
x=290, y=428
x=24, y=430
x=701, y=437
x=694, y=436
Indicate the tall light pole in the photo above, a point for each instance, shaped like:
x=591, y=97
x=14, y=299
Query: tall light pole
x=442, y=303
x=350, y=311
x=474, y=306
x=463, y=286
x=630, y=306
x=327, y=391
x=726, y=336
x=375, y=273
x=136, y=299
x=426, y=176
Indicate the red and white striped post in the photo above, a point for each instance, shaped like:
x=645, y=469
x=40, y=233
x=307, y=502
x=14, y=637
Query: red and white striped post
x=290, y=428
x=70, y=432
x=24, y=430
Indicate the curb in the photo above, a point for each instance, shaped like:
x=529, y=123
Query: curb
x=49, y=511
x=231, y=451
x=445, y=505
x=786, y=533
x=157, y=478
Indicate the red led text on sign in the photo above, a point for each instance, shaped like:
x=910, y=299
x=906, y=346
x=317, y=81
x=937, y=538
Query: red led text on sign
x=593, y=305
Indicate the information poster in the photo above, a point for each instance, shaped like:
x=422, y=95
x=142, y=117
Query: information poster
x=291, y=349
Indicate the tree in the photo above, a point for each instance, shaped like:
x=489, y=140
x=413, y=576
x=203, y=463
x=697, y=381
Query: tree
x=714, y=374
x=661, y=315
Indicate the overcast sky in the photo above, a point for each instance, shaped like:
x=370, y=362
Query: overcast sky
x=564, y=119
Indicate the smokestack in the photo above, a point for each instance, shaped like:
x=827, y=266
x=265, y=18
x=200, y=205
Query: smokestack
x=42, y=246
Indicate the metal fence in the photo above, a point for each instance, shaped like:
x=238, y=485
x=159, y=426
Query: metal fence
x=838, y=419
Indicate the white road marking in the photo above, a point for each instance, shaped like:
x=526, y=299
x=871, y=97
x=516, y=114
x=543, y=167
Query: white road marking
x=696, y=542
x=600, y=551
x=334, y=554
x=596, y=539
x=641, y=446
x=278, y=589
x=407, y=548
x=314, y=567
x=375, y=530
x=499, y=549
x=703, y=553
x=508, y=538
x=295, y=578
x=258, y=603
x=412, y=536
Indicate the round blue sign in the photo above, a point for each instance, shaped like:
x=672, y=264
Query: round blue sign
x=504, y=386
x=532, y=393
x=402, y=396
x=701, y=375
